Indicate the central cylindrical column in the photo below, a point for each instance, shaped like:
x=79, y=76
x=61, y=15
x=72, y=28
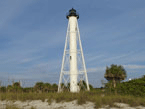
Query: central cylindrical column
x=73, y=54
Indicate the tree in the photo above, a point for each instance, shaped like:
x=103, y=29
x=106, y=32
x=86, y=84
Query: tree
x=47, y=87
x=39, y=86
x=3, y=89
x=16, y=87
x=9, y=88
x=83, y=86
x=16, y=84
x=115, y=74
x=54, y=87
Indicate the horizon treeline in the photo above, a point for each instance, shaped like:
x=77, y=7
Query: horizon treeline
x=135, y=87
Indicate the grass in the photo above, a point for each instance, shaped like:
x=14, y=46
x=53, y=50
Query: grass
x=14, y=107
x=11, y=107
x=82, y=97
x=32, y=107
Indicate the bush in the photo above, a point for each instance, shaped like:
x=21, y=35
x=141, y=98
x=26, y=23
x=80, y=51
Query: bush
x=134, y=87
x=3, y=89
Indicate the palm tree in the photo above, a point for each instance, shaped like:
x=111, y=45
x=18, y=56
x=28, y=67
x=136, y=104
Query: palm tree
x=115, y=74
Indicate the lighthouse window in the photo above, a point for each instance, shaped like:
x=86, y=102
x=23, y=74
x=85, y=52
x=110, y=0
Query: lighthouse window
x=70, y=57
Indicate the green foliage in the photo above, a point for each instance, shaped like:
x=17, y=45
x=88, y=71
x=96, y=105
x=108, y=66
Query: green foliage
x=45, y=87
x=16, y=84
x=16, y=87
x=91, y=87
x=39, y=87
x=28, y=89
x=2, y=89
x=134, y=87
x=9, y=88
x=83, y=86
x=115, y=74
x=95, y=96
x=54, y=87
x=130, y=92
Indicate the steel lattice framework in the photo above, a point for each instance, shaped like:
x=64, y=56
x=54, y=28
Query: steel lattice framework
x=65, y=69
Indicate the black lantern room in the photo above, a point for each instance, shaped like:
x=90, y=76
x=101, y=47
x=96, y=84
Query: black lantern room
x=72, y=12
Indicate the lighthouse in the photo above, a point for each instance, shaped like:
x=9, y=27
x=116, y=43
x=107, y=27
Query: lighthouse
x=73, y=71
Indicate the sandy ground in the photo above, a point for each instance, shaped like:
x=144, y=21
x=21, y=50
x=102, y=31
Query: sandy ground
x=38, y=104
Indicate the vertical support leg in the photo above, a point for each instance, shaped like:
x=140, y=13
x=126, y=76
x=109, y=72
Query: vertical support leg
x=84, y=66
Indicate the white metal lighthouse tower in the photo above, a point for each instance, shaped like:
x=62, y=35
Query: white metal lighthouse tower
x=73, y=75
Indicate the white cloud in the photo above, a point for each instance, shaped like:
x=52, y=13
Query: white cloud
x=115, y=57
x=134, y=66
x=96, y=69
x=32, y=50
x=94, y=58
x=29, y=59
x=102, y=69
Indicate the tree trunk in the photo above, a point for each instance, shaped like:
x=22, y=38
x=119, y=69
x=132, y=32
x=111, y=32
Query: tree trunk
x=114, y=83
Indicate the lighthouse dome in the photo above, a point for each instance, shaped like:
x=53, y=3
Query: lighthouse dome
x=72, y=12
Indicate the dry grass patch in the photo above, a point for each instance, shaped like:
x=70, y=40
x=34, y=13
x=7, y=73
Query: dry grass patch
x=11, y=107
x=82, y=97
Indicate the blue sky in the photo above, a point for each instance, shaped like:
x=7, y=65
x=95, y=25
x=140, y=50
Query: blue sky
x=32, y=37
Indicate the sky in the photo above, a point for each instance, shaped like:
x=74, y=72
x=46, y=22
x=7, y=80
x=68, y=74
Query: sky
x=33, y=32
